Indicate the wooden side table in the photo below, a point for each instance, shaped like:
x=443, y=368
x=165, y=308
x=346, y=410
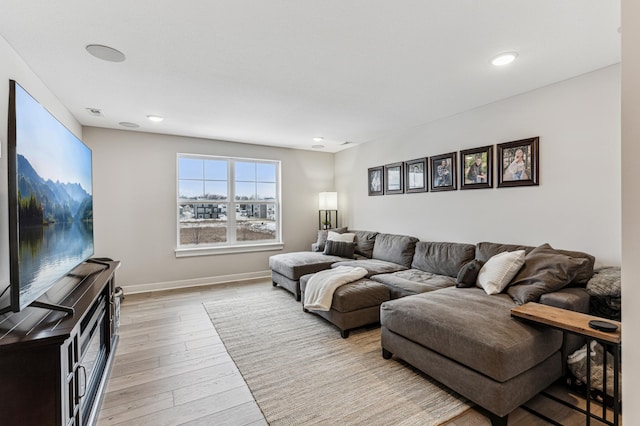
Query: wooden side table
x=578, y=323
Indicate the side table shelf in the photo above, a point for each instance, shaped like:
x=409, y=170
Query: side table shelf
x=578, y=323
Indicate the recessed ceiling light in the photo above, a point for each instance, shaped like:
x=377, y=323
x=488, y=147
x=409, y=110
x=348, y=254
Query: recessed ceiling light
x=128, y=124
x=155, y=118
x=105, y=53
x=504, y=59
x=318, y=139
x=317, y=146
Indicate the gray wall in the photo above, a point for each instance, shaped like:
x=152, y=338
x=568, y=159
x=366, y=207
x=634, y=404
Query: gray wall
x=630, y=207
x=576, y=206
x=135, y=206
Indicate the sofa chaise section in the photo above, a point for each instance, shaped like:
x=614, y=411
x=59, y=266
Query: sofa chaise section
x=287, y=268
x=468, y=341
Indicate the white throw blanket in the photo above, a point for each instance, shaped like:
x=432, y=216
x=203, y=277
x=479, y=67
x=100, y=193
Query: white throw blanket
x=321, y=286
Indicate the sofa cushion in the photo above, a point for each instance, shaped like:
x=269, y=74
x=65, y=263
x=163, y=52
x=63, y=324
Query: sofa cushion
x=365, y=241
x=545, y=270
x=486, y=250
x=395, y=248
x=585, y=272
x=350, y=297
x=442, y=258
x=373, y=266
x=497, y=272
x=296, y=264
x=413, y=281
x=468, y=274
x=472, y=328
x=324, y=233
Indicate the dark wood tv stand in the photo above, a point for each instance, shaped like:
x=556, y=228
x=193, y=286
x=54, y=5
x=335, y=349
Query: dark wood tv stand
x=53, y=366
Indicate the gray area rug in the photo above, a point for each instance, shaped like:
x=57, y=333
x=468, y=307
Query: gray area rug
x=301, y=372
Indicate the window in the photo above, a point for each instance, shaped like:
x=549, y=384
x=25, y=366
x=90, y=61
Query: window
x=227, y=202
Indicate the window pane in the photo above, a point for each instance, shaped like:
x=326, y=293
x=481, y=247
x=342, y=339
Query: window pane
x=203, y=223
x=215, y=170
x=266, y=191
x=256, y=222
x=245, y=171
x=190, y=168
x=191, y=189
x=245, y=191
x=266, y=172
x=215, y=190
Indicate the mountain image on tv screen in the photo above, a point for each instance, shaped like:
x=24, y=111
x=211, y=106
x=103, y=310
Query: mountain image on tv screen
x=54, y=197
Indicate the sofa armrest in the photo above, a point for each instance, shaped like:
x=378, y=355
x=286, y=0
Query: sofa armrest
x=573, y=299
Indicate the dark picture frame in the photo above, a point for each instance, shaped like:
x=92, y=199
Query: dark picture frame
x=375, y=179
x=518, y=163
x=394, y=178
x=443, y=172
x=415, y=175
x=476, y=168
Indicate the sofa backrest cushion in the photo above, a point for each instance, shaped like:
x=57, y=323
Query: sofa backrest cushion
x=545, y=270
x=585, y=273
x=365, y=240
x=442, y=258
x=486, y=250
x=395, y=248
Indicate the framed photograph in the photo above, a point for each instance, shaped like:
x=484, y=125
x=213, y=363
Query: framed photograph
x=393, y=178
x=518, y=163
x=443, y=172
x=415, y=175
x=476, y=168
x=376, y=180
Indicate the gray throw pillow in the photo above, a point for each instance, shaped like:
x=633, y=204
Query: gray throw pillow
x=545, y=270
x=323, y=234
x=339, y=248
x=468, y=274
x=365, y=241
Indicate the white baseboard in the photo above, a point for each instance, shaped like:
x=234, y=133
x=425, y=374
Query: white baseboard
x=195, y=282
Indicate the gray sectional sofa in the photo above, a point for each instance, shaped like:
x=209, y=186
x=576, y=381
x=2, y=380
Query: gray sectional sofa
x=459, y=335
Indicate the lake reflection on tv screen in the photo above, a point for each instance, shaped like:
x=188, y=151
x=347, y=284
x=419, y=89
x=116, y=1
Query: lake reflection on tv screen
x=50, y=251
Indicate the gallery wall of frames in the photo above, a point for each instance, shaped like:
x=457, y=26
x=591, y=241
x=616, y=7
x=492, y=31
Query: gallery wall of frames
x=516, y=164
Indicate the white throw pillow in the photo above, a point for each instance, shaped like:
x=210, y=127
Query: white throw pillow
x=496, y=274
x=347, y=237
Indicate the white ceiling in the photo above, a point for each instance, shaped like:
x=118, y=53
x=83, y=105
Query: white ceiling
x=279, y=72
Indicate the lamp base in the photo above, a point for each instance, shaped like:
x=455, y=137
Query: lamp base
x=327, y=219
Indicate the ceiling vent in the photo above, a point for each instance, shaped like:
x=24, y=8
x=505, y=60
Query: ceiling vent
x=96, y=112
x=346, y=143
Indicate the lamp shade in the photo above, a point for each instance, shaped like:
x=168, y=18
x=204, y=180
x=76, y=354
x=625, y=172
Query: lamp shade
x=328, y=201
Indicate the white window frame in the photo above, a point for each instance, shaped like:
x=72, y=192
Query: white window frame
x=231, y=245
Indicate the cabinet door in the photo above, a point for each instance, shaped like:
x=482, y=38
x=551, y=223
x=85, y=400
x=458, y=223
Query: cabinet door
x=70, y=392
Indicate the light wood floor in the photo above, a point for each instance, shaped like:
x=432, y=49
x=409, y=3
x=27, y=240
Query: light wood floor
x=171, y=368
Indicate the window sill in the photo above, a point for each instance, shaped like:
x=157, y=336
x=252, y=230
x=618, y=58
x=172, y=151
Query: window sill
x=209, y=251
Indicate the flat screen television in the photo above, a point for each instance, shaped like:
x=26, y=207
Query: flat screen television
x=50, y=200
